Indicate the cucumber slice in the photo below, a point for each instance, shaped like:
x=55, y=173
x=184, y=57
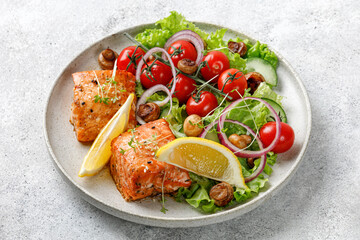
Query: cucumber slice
x=278, y=109
x=264, y=68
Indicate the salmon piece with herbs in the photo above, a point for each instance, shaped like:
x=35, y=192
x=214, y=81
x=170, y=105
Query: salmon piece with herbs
x=97, y=97
x=135, y=171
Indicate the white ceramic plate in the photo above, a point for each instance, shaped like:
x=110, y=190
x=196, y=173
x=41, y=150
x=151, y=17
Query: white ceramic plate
x=100, y=190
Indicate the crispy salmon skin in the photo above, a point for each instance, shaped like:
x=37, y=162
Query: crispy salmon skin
x=89, y=117
x=135, y=171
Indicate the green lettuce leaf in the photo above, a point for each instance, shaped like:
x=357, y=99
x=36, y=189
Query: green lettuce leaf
x=153, y=37
x=264, y=91
x=200, y=196
x=197, y=195
x=176, y=118
x=215, y=40
x=242, y=195
x=165, y=28
x=253, y=115
x=258, y=183
x=186, y=192
x=236, y=61
x=270, y=160
x=206, y=183
x=255, y=185
x=214, y=116
x=258, y=50
x=262, y=51
x=177, y=22
x=139, y=89
x=211, y=207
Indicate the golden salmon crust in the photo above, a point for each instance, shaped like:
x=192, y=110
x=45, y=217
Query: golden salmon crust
x=135, y=171
x=89, y=117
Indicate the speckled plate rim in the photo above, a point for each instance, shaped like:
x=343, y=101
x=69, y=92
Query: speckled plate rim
x=180, y=222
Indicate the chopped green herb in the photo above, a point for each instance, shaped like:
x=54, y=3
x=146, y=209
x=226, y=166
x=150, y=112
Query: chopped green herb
x=122, y=151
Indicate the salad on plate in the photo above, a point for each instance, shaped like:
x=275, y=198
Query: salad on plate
x=183, y=113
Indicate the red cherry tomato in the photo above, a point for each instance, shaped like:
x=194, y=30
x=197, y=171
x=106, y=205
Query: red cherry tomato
x=185, y=86
x=287, y=136
x=202, y=106
x=184, y=49
x=218, y=62
x=155, y=73
x=231, y=80
x=127, y=57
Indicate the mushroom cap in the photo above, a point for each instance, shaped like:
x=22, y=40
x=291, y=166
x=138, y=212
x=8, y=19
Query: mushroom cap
x=107, y=59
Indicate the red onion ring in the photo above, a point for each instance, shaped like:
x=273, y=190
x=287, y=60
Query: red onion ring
x=262, y=164
x=190, y=36
x=246, y=153
x=148, y=93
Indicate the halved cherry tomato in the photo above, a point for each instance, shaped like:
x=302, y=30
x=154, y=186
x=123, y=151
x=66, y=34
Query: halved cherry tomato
x=155, y=73
x=202, y=106
x=287, y=136
x=183, y=49
x=232, y=82
x=185, y=86
x=128, y=57
x=217, y=63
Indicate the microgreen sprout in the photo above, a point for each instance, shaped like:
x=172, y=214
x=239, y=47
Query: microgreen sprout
x=198, y=124
x=224, y=130
x=103, y=93
x=132, y=139
x=130, y=143
x=122, y=151
x=97, y=97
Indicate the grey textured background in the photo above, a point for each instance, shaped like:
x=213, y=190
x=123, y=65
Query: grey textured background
x=321, y=41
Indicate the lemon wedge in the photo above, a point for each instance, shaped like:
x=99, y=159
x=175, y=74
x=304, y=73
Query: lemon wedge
x=100, y=150
x=203, y=157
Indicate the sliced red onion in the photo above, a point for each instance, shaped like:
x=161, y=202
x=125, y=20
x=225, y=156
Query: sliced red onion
x=147, y=55
x=190, y=36
x=262, y=164
x=148, y=93
x=246, y=153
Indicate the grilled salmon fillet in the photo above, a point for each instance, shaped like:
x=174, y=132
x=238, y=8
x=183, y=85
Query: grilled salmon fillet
x=135, y=171
x=89, y=117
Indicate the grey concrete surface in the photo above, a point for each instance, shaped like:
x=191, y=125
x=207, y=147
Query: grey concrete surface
x=319, y=38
